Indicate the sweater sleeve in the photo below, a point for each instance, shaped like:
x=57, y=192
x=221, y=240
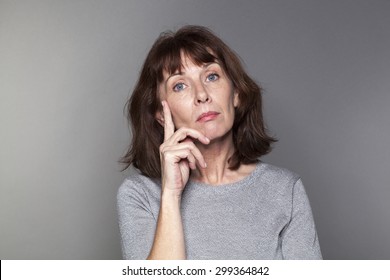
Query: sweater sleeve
x=299, y=238
x=136, y=221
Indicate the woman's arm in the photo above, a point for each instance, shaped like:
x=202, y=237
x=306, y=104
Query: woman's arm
x=137, y=222
x=178, y=154
x=169, y=237
x=299, y=239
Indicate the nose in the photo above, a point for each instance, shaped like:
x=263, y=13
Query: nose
x=201, y=94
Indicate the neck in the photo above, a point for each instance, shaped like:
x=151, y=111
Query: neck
x=216, y=155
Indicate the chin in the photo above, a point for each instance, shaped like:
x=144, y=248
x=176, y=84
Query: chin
x=215, y=135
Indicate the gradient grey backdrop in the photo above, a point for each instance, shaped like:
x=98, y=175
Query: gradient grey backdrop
x=66, y=70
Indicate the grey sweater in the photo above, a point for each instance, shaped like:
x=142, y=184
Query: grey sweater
x=266, y=215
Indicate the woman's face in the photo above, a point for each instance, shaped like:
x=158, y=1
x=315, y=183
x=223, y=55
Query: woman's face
x=201, y=98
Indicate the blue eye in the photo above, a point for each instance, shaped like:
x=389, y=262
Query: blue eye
x=179, y=87
x=212, y=77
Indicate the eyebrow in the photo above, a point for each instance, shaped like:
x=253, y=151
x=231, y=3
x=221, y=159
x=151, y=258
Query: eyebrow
x=181, y=73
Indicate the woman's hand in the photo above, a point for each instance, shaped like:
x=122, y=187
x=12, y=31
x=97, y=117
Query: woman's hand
x=178, y=154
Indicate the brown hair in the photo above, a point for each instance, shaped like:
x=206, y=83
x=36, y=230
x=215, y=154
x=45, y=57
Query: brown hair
x=202, y=46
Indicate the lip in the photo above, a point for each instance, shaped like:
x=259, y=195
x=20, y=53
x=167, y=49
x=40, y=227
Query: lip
x=208, y=116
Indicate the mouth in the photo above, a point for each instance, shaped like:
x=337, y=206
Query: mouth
x=208, y=116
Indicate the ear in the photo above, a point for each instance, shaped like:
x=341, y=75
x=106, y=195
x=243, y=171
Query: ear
x=236, y=99
x=159, y=117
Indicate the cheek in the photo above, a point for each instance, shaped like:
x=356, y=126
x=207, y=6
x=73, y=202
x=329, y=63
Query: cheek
x=181, y=113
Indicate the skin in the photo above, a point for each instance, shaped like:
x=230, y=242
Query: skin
x=196, y=145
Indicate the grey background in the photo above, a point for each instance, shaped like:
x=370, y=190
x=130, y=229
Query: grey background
x=66, y=70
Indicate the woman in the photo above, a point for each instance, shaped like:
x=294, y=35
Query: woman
x=200, y=190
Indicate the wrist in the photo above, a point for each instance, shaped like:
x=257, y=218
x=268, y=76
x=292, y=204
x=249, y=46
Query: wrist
x=171, y=194
x=170, y=197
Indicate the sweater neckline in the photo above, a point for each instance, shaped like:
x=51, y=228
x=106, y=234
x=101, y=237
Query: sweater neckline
x=242, y=182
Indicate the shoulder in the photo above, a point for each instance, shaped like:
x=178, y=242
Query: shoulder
x=280, y=180
x=138, y=186
x=277, y=174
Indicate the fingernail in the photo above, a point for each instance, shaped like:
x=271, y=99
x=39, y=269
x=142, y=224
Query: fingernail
x=162, y=103
x=205, y=165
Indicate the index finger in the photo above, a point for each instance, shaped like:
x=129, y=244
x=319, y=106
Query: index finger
x=169, y=127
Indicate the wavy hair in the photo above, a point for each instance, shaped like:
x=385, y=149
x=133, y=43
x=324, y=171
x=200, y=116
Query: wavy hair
x=250, y=137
